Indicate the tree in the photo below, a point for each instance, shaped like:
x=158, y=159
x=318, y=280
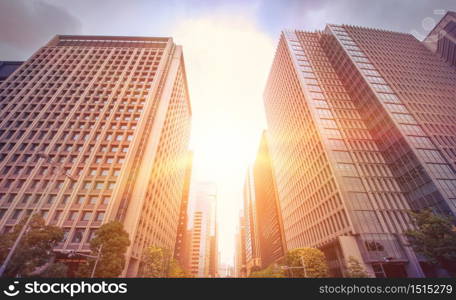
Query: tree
x=156, y=262
x=176, y=271
x=112, y=240
x=272, y=271
x=255, y=269
x=435, y=238
x=314, y=262
x=355, y=269
x=55, y=270
x=34, y=251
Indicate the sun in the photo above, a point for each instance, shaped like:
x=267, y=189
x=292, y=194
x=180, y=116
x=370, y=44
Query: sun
x=227, y=59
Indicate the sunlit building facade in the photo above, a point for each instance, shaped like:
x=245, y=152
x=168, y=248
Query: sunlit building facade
x=203, y=245
x=267, y=209
x=251, y=242
x=442, y=39
x=114, y=114
x=361, y=125
x=239, y=259
x=181, y=250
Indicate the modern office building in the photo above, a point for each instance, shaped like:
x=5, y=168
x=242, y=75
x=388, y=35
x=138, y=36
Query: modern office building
x=113, y=113
x=181, y=250
x=442, y=39
x=239, y=259
x=252, y=242
x=361, y=127
x=267, y=207
x=7, y=68
x=203, y=228
x=225, y=270
x=213, y=255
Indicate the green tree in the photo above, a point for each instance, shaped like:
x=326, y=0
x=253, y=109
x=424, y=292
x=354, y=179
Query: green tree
x=112, y=240
x=176, y=271
x=156, y=262
x=34, y=251
x=435, y=238
x=314, y=262
x=272, y=271
x=355, y=269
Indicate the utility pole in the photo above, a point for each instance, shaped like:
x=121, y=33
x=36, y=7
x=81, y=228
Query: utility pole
x=303, y=266
x=96, y=261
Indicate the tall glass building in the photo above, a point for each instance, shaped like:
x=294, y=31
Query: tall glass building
x=362, y=130
x=113, y=113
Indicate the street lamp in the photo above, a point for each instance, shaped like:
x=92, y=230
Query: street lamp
x=72, y=253
x=24, y=228
x=291, y=268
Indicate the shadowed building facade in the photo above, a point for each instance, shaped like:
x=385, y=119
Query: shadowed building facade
x=7, y=68
x=114, y=113
x=442, y=39
x=361, y=131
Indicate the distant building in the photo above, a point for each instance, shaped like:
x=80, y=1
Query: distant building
x=181, y=252
x=214, y=255
x=203, y=247
x=442, y=39
x=225, y=270
x=252, y=242
x=7, y=68
x=240, y=269
x=267, y=207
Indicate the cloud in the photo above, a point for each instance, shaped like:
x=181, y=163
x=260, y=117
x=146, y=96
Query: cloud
x=27, y=25
x=398, y=15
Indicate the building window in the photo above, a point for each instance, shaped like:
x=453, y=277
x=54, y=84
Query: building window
x=80, y=199
x=93, y=200
x=86, y=216
x=16, y=214
x=100, y=216
x=72, y=215
x=77, y=236
x=106, y=200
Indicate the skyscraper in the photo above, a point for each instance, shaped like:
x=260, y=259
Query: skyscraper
x=114, y=114
x=240, y=263
x=203, y=244
x=268, y=216
x=362, y=131
x=442, y=39
x=252, y=242
x=181, y=251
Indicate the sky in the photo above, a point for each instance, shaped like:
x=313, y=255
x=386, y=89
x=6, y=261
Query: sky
x=228, y=50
